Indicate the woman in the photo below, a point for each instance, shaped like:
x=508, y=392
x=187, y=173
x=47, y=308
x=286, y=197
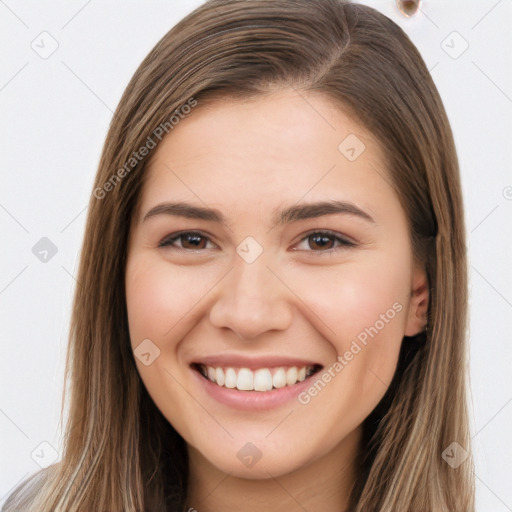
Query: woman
x=219, y=359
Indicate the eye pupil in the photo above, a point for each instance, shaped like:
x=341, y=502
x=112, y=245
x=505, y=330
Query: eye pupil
x=321, y=240
x=195, y=240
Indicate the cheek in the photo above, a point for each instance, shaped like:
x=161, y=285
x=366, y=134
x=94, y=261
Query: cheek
x=147, y=298
x=350, y=298
x=157, y=301
x=158, y=297
x=360, y=309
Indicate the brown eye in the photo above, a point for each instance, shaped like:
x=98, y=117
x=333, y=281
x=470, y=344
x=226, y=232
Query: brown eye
x=325, y=242
x=318, y=241
x=190, y=240
x=193, y=241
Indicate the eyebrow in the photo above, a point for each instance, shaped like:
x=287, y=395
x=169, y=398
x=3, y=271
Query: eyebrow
x=286, y=216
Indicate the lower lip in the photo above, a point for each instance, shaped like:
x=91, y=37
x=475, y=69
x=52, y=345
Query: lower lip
x=252, y=400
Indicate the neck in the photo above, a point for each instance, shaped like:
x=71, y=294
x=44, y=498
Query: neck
x=323, y=484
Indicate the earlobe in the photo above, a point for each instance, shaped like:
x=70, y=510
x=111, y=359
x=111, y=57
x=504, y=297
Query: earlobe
x=418, y=304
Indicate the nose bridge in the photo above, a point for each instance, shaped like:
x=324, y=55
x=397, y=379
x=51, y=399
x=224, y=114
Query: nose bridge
x=253, y=281
x=251, y=299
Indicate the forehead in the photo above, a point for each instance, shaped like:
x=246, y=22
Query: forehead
x=272, y=149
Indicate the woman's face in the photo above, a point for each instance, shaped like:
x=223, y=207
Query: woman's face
x=230, y=289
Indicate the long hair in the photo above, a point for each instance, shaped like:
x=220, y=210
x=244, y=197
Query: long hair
x=120, y=453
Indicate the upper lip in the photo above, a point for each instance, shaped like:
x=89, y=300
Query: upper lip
x=253, y=363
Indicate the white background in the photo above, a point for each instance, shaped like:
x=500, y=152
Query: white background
x=55, y=114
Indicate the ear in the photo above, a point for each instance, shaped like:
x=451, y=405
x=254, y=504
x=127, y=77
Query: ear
x=418, y=303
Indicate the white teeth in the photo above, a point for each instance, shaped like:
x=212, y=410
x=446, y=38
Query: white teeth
x=219, y=376
x=230, y=380
x=279, y=378
x=245, y=379
x=263, y=379
x=291, y=376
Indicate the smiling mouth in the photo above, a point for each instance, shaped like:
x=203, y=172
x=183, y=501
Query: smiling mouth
x=262, y=379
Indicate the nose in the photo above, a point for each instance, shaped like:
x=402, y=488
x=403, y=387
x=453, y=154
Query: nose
x=252, y=299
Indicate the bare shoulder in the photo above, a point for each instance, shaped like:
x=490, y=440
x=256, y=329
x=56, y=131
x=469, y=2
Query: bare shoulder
x=22, y=497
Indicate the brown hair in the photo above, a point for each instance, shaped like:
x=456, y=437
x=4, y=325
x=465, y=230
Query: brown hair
x=120, y=453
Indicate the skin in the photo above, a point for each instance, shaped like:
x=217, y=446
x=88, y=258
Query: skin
x=250, y=159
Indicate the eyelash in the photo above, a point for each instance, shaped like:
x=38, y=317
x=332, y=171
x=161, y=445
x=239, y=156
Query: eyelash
x=344, y=243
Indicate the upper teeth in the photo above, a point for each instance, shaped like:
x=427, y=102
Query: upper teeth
x=263, y=379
